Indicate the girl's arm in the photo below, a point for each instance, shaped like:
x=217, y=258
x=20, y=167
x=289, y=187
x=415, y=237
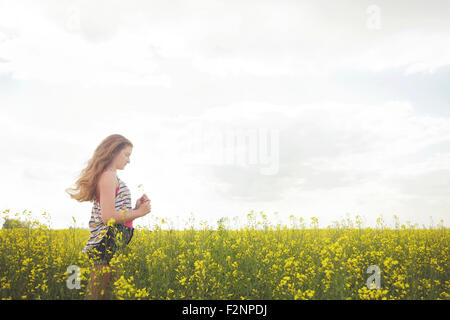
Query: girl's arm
x=107, y=191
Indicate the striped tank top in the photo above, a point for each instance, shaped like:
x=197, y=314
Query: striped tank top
x=96, y=224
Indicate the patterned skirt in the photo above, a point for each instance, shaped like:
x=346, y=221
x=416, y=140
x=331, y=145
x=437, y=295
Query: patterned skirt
x=116, y=237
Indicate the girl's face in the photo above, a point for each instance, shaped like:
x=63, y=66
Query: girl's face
x=123, y=158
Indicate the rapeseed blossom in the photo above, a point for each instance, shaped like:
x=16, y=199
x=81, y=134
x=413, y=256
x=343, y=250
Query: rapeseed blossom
x=249, y=263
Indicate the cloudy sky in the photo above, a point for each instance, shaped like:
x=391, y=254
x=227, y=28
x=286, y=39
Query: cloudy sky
x=307, y=108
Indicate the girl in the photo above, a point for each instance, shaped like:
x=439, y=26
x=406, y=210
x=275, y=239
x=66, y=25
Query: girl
x=99, y=184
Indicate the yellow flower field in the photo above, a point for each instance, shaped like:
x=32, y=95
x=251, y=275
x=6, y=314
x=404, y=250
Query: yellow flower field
x=250, y=263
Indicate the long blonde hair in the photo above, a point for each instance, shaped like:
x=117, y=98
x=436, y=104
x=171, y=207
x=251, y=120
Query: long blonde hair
x=86, y=185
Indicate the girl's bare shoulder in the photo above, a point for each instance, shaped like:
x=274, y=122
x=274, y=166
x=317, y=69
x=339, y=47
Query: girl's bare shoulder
x=108, y=177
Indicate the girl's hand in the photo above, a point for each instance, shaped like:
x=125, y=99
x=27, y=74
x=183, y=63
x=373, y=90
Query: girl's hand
x=145, y=208
x=145, y=203
x=141, y=200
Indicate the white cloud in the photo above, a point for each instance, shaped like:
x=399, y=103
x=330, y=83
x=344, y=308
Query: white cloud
x=109, y=44
x=415, y=51
x=322, y=146
x=44, y=52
